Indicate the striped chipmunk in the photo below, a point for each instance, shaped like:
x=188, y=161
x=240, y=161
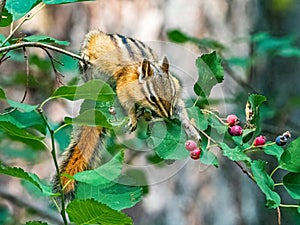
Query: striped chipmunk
x=141, y=82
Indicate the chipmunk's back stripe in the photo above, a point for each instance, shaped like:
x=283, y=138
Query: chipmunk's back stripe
x=149, y=49
x=113, y=39
x=127, y=45
x=140, y=48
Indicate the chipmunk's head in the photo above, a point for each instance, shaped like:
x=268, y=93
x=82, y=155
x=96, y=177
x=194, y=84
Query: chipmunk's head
x=160, y=88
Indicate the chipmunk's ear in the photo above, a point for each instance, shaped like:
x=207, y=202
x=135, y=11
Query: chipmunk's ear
x=145, y=70
x=165, y=64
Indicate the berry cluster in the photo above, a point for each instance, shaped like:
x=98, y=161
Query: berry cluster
x=233, y=128
x=191, y=146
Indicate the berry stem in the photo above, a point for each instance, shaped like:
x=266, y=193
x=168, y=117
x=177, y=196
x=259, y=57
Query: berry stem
x=257, y=148
x=278, y=184
x=207, y=136
x=288, y=206
x=272, y=173
x=215, y=115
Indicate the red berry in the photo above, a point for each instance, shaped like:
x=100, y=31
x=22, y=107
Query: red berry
x=235, y=130
x=195, y=154
x=232, y=120
x=190, y=145
x=260, y=140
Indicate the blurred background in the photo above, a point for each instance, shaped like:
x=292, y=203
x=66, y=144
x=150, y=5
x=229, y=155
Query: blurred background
x=259, y=39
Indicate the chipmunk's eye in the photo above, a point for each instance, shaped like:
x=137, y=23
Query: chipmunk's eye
x=152, y=98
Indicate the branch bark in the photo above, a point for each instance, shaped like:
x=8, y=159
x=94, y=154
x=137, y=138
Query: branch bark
x=40, y=45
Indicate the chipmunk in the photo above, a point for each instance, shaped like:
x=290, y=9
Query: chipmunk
x=141, y=82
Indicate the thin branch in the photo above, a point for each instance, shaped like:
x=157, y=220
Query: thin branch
x=278, y=216
x=40, y=45
x=3, y=58
x=27, y=74
x=215, y=115
x=245, y=171
x=21, y=202
x=58, y=74
x=53, y=153
x=28, y=16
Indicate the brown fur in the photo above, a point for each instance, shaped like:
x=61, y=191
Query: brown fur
x=83, y=149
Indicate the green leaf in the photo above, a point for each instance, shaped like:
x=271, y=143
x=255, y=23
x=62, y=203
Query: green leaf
x=238, y=140
x=19, y=8
x=210, y=73
x=20, y=173
x=247, y=135
x=92, y=90
x=6, y=19
x=45, y=39
x=116, y=196
x=13, y=130
x=273, y=150
x=2, y=94
x=234, y=154
x=256, y=100
x=282, y=46
x=168, y=140
x=24, y=107
x=209, y=158
x=25, y=120
x=52, y=2
x=104, y=174
x=62, y=136
x=177, y=36
x=35, y=223
x=291, y=182
x=289, y=52
x=265, y=183
x=93, y=212
x=196, y=114
x=290, y=159
x=90, y=117
x=180, y=37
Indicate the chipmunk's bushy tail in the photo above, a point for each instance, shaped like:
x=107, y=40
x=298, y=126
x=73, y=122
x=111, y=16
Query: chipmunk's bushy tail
x=82, y=154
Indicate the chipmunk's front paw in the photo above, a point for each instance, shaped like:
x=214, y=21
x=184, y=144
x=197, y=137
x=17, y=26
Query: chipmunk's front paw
x=132, y=125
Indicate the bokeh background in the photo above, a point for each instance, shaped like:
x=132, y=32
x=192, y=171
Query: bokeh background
x=194, y=194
